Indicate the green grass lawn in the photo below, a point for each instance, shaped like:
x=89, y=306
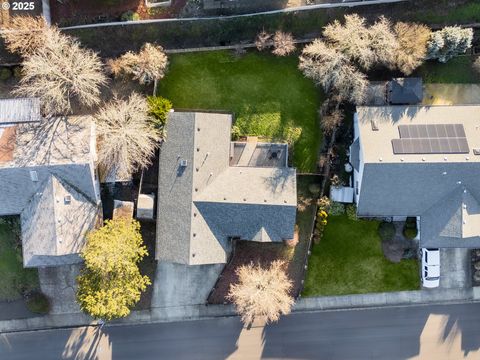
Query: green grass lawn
x=267, y=94
x=458, y=70
x=349, y=260
x=13, y=277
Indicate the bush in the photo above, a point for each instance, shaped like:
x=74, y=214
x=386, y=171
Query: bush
x=410, y=228
x=5, y=74
x=351, y=211
x=386, y=230
x=336, y=208
x=158, y=108
x=130, y=16
x=38, y=303
x=236, y=133
x=324, y=203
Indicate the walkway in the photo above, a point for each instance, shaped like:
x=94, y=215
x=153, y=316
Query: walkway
x=451, y=94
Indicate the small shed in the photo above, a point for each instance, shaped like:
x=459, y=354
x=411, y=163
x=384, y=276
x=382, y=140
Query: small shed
x=122, y=209
x=341, y=194
x=405, y=91
x=145, y=206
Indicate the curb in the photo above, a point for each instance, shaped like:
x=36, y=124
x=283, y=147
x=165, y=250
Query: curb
x=203, y=312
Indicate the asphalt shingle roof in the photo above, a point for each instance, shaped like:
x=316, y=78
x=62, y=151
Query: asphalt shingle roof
x=20, y=110
x=54, y=224
x=435, y=187
x=203, y=204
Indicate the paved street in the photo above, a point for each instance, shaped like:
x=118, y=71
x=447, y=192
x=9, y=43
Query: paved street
x=420, y=332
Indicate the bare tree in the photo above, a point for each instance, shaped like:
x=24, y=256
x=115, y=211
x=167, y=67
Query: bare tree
x=332, y=70
x=262, y=292
x=351, y=39
x=332, y=121
x=24, y=34
x=146, y=66
x=126, y=137
x=263, y=40
x=283, y=44
x=383, y=42
x=412, y=50
x=59, y=71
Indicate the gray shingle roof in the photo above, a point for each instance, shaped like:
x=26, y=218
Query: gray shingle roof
x=204, y=203
x=64, y=148
x=51, y=160
x=427, y=185
x=454, y=221
x=54, y=224
x=405, y=91
x=21, y=110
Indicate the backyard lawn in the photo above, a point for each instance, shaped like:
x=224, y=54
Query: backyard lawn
x=349, y=260
x=268, y=95
x=458, y=70
x=14, y=279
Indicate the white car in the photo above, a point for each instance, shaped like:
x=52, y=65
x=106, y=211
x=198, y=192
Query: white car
x=430, y=267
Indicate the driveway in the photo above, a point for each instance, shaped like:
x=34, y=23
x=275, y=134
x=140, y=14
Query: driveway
x=179, y=285
x=455, y=268
x=59, y=285
x=451, y=94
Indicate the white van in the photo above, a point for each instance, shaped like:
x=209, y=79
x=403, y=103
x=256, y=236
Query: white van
x=430, y=267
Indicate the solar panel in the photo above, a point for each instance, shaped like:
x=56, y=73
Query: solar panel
x=431, y=139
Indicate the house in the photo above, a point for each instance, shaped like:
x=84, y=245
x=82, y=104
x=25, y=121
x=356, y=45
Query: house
x=424, y=162
x=212, y=191
x=47, y=176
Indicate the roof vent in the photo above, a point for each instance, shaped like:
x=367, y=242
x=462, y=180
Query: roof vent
x=33, y=175
x=183, y=163
x=67, y=200
x=374, y=125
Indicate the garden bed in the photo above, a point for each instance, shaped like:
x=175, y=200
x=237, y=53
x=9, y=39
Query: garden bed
x=247, y=252
x=349, y=260
x=71, y=13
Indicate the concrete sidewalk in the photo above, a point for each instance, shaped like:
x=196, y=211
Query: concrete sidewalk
x=195, y=312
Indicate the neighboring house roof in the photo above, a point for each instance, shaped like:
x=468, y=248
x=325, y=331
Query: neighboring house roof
x=203, y=201
x=54, y=224
x=454, y=221
x=63, y=147
x=40, y=164
x=21, y=110
x=420, y=184
x=403, y=91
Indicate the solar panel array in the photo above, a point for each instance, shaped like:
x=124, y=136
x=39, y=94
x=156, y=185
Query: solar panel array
x=431, y=139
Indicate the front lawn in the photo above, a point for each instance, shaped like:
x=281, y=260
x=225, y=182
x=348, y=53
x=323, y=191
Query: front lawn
x=264, y=253
x=267, y=94
x=349, y=260
x=15, y=281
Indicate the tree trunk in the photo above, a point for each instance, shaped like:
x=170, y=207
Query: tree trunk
x=155, y=85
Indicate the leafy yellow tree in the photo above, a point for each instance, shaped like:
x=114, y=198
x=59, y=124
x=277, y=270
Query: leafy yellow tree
x=262, y=292
x=110, y=283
